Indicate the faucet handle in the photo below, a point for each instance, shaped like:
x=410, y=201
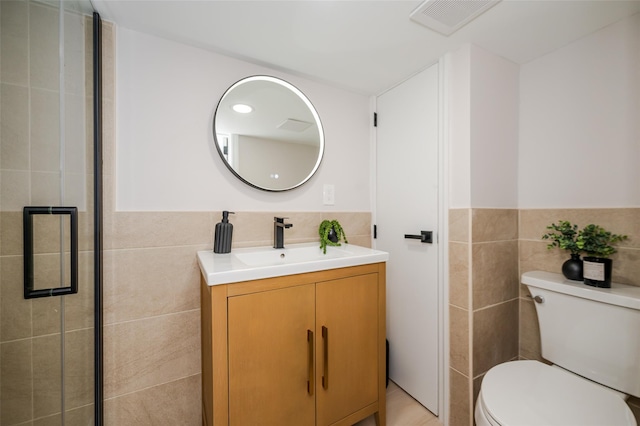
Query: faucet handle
x=280, y=219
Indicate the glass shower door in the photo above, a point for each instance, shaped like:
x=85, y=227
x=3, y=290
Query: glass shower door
x=46, y=172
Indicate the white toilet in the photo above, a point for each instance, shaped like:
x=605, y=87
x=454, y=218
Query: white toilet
x=592, y=335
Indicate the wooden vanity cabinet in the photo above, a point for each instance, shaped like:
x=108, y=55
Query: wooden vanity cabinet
x=299, y=350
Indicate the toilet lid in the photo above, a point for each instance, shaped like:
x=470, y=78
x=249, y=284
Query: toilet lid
x=533, y=393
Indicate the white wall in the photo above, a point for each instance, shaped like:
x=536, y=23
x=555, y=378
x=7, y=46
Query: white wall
x=457, y=66
x=482, y=109
x=166, y=159
x=580, y=123
x=494, y=131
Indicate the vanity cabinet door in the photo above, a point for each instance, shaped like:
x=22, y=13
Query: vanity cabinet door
x=269, y=357
x=347, y=349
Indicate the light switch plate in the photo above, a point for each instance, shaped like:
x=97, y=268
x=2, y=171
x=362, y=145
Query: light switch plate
x=328, y=194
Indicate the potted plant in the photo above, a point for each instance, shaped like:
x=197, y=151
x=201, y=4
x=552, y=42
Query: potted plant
x=564, y=236
x=331, y=233
x=597, y=242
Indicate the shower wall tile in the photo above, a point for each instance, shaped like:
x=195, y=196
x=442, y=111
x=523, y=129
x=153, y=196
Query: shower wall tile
x=47, y=375
x=88, y=137
x=15, y=311
x=14, y=190
x=172, y=403
x=14, y=42
x=144, y=353
x=11, y=231
x=80, y=416
x=45, y=131
x=14, y=127
x=108, y=149
x=45, y=189
x=135, y=292
x=47, y=271
x=495, y=336
x=45, y=315
x=43, y=52
x=75, y=138
x=53, y=420
x=494, y=273
x=88, y=55
x=74, y=54
x=16, y=396
x=108, y=61
x=76, y=190
x=78, y=368
x=79, y=308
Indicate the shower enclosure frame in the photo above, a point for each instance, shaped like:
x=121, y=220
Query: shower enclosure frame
x=98, y=218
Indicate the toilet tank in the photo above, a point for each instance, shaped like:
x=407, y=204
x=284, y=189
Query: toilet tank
x=593, y=332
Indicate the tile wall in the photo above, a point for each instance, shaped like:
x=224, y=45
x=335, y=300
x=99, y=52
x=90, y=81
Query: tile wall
x=483, y=301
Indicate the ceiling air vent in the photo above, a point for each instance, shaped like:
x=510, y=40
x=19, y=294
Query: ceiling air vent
x=294, y=125
x=448, y=16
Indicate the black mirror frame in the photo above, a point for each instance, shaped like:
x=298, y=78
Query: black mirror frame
x=304, y=98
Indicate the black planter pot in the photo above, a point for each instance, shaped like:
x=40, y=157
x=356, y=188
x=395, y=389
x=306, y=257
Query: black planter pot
x=597, y=271
x=332, y=236
x=572, y=268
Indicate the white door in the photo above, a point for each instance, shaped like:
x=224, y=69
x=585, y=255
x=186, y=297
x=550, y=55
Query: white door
x=406, y=204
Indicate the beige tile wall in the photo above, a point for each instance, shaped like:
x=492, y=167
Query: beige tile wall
x=152, y=290
x=483, y=300
x=488, y=250
x=460, y=317
x=534, y=255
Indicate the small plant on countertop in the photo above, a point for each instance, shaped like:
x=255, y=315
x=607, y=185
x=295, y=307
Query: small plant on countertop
x=331, y=233
x=564, y=236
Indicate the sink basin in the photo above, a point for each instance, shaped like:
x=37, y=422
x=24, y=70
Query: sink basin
x=265, y=262
x=263, y=256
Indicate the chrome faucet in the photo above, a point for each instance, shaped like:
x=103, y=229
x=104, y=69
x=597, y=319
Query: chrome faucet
x=278, y=231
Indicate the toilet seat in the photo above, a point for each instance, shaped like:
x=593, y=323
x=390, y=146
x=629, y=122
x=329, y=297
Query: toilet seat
x=533, y=393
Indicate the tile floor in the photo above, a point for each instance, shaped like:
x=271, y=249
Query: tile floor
x=403, y=410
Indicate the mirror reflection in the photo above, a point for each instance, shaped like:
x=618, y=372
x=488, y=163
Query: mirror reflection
x=268, y=133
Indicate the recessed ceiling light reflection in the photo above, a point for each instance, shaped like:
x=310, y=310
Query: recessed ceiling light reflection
x=242, y=108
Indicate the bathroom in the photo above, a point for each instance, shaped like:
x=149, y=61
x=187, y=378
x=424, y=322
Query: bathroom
x=160, y=210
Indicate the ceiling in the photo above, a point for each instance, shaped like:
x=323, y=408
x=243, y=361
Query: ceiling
x=363, y=46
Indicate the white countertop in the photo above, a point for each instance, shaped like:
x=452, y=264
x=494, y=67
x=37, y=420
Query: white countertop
x=265, y=262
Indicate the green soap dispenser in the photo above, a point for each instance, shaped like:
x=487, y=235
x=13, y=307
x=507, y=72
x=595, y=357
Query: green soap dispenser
x=223, y=235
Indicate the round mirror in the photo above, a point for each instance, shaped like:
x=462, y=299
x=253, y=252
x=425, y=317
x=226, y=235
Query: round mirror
x=268, y=133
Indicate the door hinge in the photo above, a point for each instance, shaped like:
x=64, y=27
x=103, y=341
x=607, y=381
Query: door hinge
x=375, y=231
x=375, y=119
